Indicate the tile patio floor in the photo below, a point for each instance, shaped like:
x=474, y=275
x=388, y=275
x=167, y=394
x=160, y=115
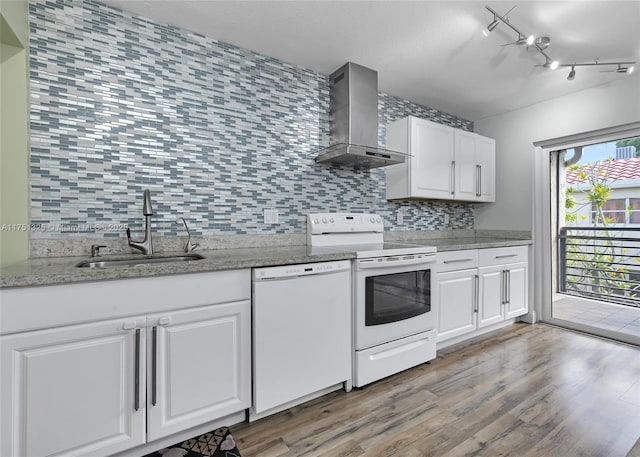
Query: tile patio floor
x=623, y=319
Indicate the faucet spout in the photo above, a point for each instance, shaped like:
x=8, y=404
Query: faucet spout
x=145, y=246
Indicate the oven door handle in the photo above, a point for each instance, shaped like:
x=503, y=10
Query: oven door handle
x=367, y=264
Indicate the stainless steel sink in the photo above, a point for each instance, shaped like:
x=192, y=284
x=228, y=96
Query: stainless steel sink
x=138, y=261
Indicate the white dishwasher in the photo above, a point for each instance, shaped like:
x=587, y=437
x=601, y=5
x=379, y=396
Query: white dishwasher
x=301, y=334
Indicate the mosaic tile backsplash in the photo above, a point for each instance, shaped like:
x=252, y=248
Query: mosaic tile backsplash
x=218, y=133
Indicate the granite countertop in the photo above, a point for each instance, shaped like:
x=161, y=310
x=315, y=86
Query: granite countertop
x=458, y=244
x=63, y=270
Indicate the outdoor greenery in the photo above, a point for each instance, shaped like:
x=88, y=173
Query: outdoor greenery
x=597, y=265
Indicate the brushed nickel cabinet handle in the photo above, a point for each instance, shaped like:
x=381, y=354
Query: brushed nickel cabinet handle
x=477, y=292
x=453, y=177
x=154, y=358
x=136, y=401
x=457, y=260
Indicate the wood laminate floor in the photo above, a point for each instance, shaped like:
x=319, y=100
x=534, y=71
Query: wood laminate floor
x=527, y=390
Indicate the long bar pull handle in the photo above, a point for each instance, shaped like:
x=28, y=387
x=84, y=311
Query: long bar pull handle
x=457, y=260
x=508, y=286
x=453, y=177
x=505, y=256
x=136, y=384
x=476, y=280
x=154, y=367
x=503, y=288
x=479, y=180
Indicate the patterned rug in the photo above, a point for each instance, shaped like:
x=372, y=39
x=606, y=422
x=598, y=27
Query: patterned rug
x=216, y=443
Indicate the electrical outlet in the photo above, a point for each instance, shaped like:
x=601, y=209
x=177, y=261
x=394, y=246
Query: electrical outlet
x=270, y=216
x=399, y=218
x=446, y=219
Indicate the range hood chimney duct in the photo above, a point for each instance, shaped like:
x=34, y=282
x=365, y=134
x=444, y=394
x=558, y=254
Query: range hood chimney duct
x=353, y=120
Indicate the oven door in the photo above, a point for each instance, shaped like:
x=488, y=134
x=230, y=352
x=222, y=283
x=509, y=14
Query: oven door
x=392, y=301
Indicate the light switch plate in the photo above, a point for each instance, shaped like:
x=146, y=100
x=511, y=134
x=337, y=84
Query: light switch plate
x=270, y=216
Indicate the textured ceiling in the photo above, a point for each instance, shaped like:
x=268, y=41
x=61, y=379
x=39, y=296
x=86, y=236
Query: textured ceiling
x=429, y=52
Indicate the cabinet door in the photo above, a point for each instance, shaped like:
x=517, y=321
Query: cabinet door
x=431, y=164
x=72, y=391
x=466, y=169
x=492, y=297
x=516, y=289
x=199, y=366
x=486, y=161
x=456, y=298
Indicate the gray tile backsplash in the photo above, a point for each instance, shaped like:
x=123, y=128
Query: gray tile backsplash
x=218, y=133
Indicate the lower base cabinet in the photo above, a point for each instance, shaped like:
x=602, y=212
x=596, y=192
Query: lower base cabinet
x=73, y=390
x=480, y=288
x=99, y=388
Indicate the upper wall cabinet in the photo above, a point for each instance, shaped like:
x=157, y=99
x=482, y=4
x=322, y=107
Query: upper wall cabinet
x=445, y=163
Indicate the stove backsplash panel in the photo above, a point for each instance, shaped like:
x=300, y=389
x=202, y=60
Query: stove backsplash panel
x=120, y=103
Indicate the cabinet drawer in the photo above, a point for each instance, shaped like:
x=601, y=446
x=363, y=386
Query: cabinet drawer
x=500, y=256
x=457, y=260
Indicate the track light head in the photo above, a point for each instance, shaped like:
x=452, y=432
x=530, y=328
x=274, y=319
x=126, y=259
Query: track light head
x=525, y=41
x=552, y=64
x=622, y=69
x=543, y=42
x=572, y=74
x=491, y=26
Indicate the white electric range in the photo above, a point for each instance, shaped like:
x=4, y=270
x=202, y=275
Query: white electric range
x=394, y=320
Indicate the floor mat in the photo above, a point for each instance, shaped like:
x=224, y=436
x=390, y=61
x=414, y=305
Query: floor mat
x=216, y=443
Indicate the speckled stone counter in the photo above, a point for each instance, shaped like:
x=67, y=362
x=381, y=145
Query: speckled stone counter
x=458, y=244
x=62, y=270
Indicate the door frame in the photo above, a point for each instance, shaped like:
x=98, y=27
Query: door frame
x=544, y=226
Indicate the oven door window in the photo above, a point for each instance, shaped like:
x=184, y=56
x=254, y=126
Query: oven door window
x=398, y=296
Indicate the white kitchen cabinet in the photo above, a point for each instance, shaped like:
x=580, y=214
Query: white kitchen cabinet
x=76, y=390
x=517, y=292
x=179, y=358
x=199, y=366
x=443, y=163
x=457, y=303
x=474, y=167
x=480, y=288
x=490, y=296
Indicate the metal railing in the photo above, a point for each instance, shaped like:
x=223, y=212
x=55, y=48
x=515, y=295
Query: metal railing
x=601, y=263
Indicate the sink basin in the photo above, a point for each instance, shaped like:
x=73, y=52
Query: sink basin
x=138, y=261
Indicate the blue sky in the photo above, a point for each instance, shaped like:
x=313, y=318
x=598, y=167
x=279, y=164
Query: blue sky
x=598, y=152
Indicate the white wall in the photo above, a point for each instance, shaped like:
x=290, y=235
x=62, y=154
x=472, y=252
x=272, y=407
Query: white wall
x=609, y=105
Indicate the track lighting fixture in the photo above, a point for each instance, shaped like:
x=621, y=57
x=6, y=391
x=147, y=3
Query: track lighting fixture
x=491, y=26
x=541, y=43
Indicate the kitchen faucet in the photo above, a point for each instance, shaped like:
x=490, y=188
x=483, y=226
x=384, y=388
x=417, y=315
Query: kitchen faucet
x=146, y=245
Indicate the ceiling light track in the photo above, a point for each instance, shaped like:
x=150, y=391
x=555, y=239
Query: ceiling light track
x=541, y=43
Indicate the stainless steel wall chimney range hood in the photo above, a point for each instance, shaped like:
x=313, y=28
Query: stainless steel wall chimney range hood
x=353, y=120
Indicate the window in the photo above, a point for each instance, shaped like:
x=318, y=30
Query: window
x=618, y=211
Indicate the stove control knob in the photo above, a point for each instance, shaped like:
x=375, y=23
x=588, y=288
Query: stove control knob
x=378, y=220
x=316, y=221
x=331, y=220
x=324, y=220
x=373, y=219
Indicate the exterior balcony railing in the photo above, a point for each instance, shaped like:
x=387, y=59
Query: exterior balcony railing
x=600, y=263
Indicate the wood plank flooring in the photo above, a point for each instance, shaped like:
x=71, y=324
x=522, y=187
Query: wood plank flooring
x=527, y=390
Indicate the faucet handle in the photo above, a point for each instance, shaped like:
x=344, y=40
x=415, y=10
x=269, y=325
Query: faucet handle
x=189, y=246
x=95, y=249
